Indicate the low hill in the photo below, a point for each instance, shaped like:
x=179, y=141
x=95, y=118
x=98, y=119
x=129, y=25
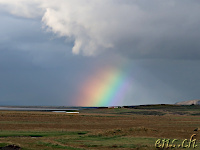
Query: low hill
x=190, y=102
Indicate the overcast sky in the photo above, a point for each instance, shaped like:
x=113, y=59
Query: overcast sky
x=51, y=50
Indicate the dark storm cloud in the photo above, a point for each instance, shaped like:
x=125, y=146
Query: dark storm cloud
x=170, y=80
x=158, y=40
x=33, y=65
x=36, y=68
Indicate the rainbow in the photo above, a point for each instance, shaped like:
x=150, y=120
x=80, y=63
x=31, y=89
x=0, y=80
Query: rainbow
x=106, y=87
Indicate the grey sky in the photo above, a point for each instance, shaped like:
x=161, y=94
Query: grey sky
x=49, y=49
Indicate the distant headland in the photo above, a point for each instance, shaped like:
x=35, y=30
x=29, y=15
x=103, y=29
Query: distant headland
x=190, y=102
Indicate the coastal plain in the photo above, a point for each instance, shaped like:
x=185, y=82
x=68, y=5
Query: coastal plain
x=100, y=128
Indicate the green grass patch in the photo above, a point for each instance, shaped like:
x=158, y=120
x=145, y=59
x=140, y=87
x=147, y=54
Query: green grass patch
x=3, y=144
x=37, y=134
x=144, y=113
x=57, y=146
x=196, y=114
x=95, y=141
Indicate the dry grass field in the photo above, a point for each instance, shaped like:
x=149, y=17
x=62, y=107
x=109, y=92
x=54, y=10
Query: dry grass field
x=100, y=129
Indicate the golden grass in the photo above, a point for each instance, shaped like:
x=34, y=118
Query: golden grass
x=103, y=129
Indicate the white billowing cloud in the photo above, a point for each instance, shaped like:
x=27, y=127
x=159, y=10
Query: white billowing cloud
x=140, y=28
x=81, y=21
x=22, y=8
